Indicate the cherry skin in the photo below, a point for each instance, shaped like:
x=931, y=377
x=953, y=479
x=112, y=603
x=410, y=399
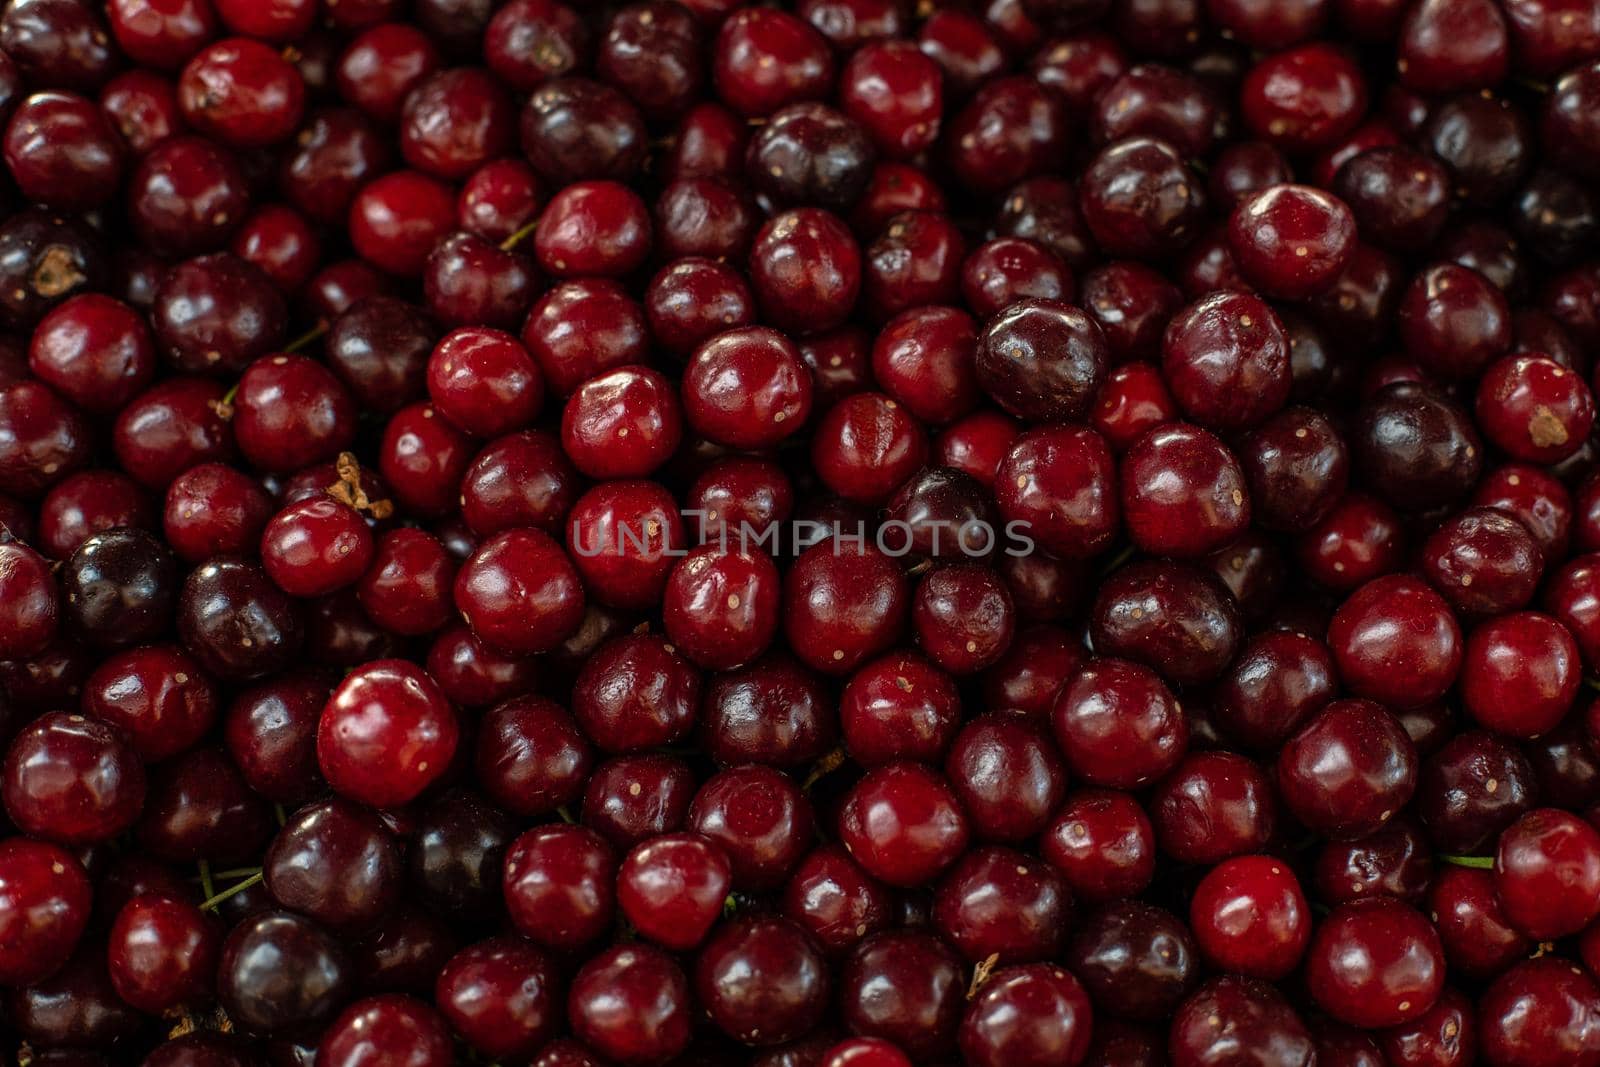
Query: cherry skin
x=1291, y=241
x=559, y=885
x=792, y=995
x=1526, y=652
x=1250, y=917
x=387, y=1028
x=520, y=593
x=1118, y=725
x=1348, y=770
x=902, y=824
x=631, y=1003
x=500, y=996
x=1103, y=844
x=1031, y=1015
x=1546, y=866
x=1375, y=962
x=47, y=897
x=386, y=734
x=72, y=780
x=1540, y=1011
x=672, y=889
x=1420, y=649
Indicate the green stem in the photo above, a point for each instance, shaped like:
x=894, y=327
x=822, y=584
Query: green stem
x=517, y=238
x=206, y=884
x=306, y=338
x=211, y=903
x=1483, y=863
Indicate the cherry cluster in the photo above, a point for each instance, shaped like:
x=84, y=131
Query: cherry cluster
x=837, y=533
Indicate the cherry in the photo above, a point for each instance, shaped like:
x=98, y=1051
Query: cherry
x=721, y=607
x=785, y=1002
x=1171, y=617
x=1061, y=483
x=1137, y=961
x=1232, y=1016
x=760, y=818
x=47, y=897
x=746, y=388
x=772, y=711
x=899, y=706
x=1348, y=770
x=904, y=987
x=1534, y=409
x=1042, y=360
x=996, y=902
x=1449, y=45
x=72, y=780
x=559, y=885
x=61, y=151
x=1250, y=917
x=902, y=823
x=1212, y=806
x=631, y=1003
x=1103, y=844
x=622, y=424
x=334, y=862
x=1118, y=725
x=693, y=300
x=499, y=995
x=843, y=606
x=1540, y=1011
x=57, y=44
x=316, y=546
x=30, y=610
x=1375, y=962
x=1530, y=654
x=764, y=59
x=530, y=41
x=385, y=734
x=1183, y=492
x=806, y=270
x=241, y=92
x=1029, y=1015
x=672, y=889
x=387, y=1027
x=1291, y=241
x=520, y=593
x=1395, y=641
x=1546, y=865
x=1226, y=360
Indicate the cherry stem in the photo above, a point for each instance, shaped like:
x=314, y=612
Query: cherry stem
x=206, y=885
x=1483, y=863
x=517, y=238
x=306, y=338
x=210, y=904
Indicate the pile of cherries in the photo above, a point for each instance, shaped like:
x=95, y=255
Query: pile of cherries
x=843, y=533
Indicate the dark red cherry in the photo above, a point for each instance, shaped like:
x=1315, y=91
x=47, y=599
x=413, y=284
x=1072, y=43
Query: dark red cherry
x=1291, y=241
x=1375, y=962
x=385, y=734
